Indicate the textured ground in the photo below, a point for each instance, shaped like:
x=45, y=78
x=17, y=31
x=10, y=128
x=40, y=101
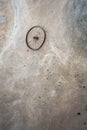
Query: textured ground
x=44, y=89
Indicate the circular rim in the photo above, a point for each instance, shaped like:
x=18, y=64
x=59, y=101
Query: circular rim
x=41, y=43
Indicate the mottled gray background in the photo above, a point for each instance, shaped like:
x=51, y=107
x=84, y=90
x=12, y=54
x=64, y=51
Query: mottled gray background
x=44, y=89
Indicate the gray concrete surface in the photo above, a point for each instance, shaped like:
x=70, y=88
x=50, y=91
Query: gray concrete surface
x=44, y=89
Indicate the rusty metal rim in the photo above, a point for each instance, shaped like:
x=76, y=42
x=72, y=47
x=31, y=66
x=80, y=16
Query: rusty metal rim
x=41, y=43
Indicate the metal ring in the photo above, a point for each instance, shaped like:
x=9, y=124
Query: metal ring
x=43, y=39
